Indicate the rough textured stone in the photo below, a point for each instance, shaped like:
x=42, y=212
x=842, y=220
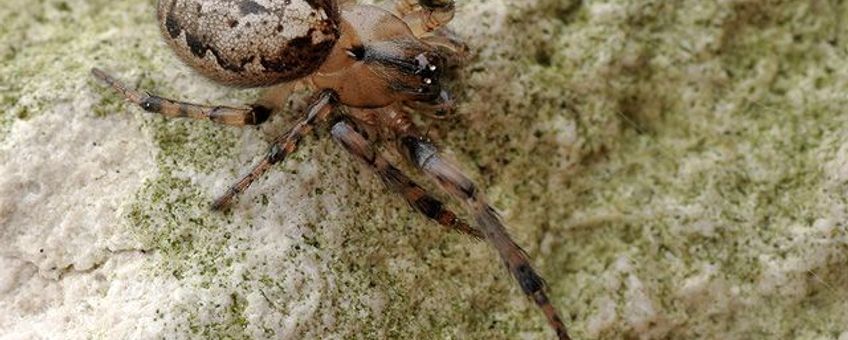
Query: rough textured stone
x=674, y=170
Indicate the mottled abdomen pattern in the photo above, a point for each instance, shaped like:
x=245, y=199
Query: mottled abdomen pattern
x=250, y=43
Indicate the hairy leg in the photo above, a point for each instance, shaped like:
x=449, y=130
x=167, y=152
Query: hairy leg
x=426, y=157
x=256, y=114
x=283, y=146
x=427, y=16
x=455, y=51
x=397, y=181
x=439, y=109
x=403, y=7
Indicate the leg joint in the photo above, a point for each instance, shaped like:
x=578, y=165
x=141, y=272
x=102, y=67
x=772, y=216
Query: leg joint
x=429, y=206
x=418, y=150
x=151, y=104
x=275, y=154
x=529, y=281
x=258, y=115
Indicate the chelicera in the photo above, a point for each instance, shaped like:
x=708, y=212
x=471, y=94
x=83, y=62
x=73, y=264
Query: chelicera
x=371, y=68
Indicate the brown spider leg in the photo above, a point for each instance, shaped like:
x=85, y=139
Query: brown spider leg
x=432, y=15
x=403, y=7
x=256, y=114
x=397, y=181
x=426, y=157
x=443, y=107
x=455, y=51
x=343, y=4
x=283, y=146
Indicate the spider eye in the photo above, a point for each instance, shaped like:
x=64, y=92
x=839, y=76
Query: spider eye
x=427, y=65
x=428, y=81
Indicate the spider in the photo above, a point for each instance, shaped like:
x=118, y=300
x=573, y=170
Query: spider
x=371, y=68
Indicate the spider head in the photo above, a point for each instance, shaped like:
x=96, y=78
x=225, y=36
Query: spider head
x=378, y=61
x=407, y=69
x=421, y=80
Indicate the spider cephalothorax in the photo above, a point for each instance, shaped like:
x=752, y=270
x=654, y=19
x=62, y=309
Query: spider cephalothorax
x=370, y=67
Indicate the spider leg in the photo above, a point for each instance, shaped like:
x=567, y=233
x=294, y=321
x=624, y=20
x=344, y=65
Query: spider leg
x=346, y=3
x=427, y=16
x=403, y=7
x=283, y=146
x=426, y=157
x=397, y=181
x=256, y=114
x=455, y=51
x=440, y=109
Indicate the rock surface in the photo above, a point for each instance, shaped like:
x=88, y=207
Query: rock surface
x=675, y=171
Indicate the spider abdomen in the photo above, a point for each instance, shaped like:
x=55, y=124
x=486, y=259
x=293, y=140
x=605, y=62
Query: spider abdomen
x=250, y=43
